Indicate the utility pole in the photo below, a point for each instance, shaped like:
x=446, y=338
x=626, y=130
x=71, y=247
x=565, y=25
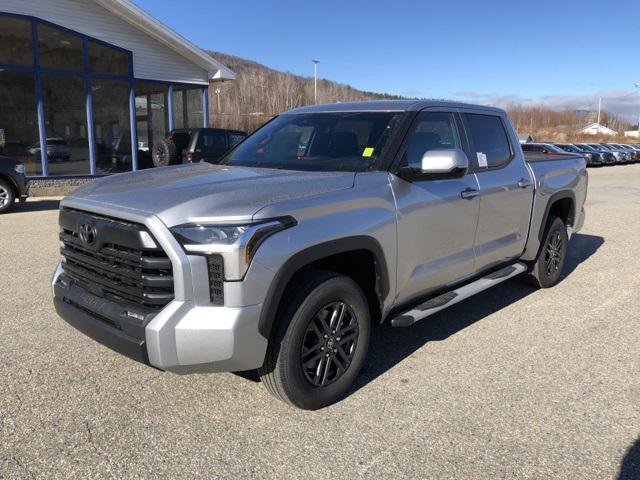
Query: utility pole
x=599, y=108
x=637, y=85
x=315, y=80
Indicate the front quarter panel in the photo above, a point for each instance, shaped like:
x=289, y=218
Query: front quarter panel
x=361, y=217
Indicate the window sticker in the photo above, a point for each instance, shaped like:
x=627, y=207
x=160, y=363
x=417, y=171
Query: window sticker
x=482, y=159
x=367, y=152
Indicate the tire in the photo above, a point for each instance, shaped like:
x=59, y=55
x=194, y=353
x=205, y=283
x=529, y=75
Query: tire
x=7, y=195
x=547, y=269
x=164, y=152
x=303, y=322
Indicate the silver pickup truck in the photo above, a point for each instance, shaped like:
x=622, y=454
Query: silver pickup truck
x=325, y=221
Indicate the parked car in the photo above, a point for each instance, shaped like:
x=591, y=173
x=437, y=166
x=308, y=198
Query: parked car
x=621, y=155
x=611, y=157
x=593, y=159
x=539, y=147
x=57, y=150
x=636, y=147
x=634, y=155
x=606, y=157
x=326, y=220
x=13, y=184
x=195, y=145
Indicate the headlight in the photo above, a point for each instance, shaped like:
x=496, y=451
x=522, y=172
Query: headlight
x=19, y=168
x=236, y=243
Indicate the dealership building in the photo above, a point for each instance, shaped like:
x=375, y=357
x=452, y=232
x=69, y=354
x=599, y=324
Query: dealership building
x=87, y=86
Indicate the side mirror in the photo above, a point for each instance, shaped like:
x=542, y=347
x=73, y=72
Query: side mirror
x=438, y=165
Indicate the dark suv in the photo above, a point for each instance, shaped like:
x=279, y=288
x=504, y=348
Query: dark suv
x=13, y=183
x=186, y=145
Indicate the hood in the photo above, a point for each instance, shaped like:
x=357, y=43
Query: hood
x=186, y=193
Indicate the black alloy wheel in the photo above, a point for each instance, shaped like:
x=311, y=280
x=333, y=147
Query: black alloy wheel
x=329, y=344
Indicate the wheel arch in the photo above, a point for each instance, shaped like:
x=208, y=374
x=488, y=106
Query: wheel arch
x=11, y=182
x=561, y=204
x=320, y=256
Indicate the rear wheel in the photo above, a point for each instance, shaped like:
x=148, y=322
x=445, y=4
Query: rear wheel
x=320, y=341
x=7, y=196
x=547, y=269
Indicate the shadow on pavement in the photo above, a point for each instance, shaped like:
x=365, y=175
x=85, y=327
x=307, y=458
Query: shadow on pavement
x=389, y=345
x=581, y=247
x=33, y=205
x=630, y=466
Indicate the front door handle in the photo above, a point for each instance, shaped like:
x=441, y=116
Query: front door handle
x=524, y=183
x=469, y=193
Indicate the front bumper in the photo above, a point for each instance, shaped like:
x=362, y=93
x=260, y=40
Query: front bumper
x=99, y=330
x=189, y=334
x=21, y=183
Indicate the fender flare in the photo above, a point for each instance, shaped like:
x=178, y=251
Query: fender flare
x=314, y=253
x=12, y=182
x=553, y=199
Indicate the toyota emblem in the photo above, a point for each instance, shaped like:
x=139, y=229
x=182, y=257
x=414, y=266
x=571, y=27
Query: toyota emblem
x=88, y=234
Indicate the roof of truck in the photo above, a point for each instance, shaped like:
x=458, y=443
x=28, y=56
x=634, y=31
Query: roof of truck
x=387, y=106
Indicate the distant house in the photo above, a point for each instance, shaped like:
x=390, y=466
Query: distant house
x=597, y=129
x=525, y=138
x=632, y=133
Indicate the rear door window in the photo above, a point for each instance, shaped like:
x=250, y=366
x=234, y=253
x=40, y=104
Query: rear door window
x=213, y=141
x=490, y=139
x=235, y=139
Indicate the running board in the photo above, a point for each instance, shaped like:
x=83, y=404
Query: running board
x=454, y=296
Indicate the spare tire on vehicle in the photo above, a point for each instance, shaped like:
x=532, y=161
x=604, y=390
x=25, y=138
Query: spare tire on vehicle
x=164, y=152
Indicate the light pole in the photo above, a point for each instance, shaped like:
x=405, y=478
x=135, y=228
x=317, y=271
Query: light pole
x=315, y=80
x=637, y=85
x=217, y=92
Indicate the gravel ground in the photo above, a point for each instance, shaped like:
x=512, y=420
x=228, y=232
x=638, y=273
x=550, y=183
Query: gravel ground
x=513, y=383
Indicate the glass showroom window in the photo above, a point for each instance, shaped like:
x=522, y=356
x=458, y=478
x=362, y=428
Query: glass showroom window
x=65, y=116
x=195, y=109
x=104, y=59
x=18, y=120
x=15, y=38
x=151, y=117
x=188, y=110
x=111, y=125
x=59, y=49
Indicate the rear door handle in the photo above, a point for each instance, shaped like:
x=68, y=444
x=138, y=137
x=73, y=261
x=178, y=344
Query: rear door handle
x=469, y=193
x=524, y=183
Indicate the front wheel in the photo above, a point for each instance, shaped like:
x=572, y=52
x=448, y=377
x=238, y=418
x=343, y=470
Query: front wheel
x=7, y=196
x=320, y=341
x=547, y=269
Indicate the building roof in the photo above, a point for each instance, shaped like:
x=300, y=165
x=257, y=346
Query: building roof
x=525, y=137
x=140, y=19
x=600, y=128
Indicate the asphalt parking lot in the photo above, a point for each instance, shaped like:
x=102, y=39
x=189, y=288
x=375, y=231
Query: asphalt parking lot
x=513, y=383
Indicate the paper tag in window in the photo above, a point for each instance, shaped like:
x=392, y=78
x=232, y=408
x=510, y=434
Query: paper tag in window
x=367, y=152
x=482, y=159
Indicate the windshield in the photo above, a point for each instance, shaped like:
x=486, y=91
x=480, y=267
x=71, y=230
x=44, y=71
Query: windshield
x=348, y=142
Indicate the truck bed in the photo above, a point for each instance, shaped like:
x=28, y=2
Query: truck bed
x=555, y=175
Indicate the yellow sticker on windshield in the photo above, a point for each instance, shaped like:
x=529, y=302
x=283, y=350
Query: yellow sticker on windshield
x=367, y=152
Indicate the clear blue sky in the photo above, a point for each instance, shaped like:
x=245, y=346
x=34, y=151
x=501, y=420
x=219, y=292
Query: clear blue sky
x=479, y=50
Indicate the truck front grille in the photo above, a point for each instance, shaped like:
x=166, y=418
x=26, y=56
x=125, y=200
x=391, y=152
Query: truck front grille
x=119, y=265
